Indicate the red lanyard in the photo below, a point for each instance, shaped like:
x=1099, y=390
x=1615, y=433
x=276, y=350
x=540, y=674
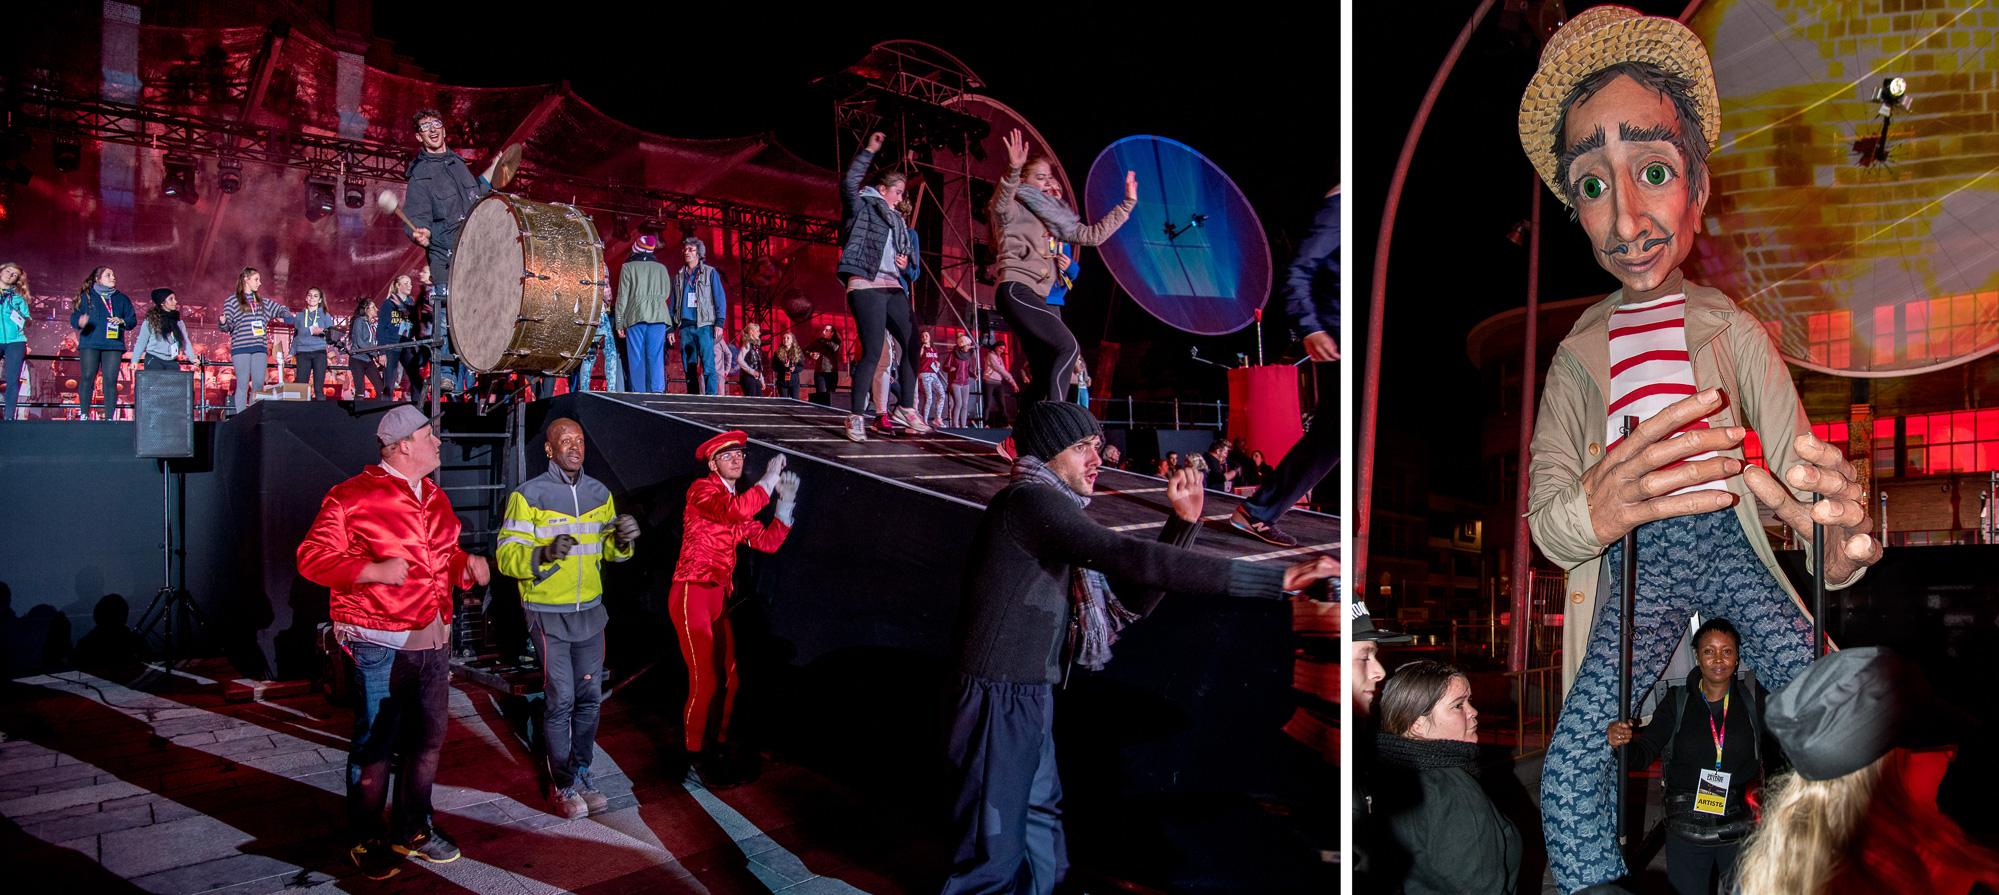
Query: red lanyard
x=1719, y=732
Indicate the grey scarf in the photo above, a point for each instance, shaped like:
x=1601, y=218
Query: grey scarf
x=1093, y=608
x=895, y=222
x=1057, y=217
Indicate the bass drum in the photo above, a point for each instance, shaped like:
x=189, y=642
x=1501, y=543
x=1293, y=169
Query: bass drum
x=528, y=285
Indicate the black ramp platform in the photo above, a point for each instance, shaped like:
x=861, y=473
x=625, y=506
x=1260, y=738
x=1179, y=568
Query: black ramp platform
x=1174, y=757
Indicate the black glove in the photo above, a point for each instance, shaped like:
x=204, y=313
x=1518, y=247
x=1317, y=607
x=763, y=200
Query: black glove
x=624, y=530
x=554, y=550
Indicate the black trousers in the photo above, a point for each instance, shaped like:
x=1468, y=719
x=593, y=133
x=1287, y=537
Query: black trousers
x=998, y=395
x=406, y=362
x=313, y=362
x=1008, y=809
x=1688, y=866
x=98, y=363
x=160, y=363
x=363, y=368
x=1051, y=349
x=877, y=311
x=751, y=386
x=824, y=382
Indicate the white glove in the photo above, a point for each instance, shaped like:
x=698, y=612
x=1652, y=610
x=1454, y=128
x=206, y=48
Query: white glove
x=787, y=497
x=771, y=471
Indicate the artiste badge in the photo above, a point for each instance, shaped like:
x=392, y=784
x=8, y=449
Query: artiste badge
x=1712, y=795
x=110, y=330
x=690, y=299
x=257, y=328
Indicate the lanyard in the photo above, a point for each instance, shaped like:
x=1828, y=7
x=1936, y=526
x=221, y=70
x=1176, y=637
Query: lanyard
x=1719, y=733
x=106, y=299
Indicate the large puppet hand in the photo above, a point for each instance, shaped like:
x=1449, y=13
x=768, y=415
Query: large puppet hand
x=1842, y=507
x=1184, y=490
x=1016, y=149
x=875, y=141
x=1631, y=487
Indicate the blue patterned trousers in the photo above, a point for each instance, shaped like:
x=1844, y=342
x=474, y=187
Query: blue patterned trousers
x=1685, y=565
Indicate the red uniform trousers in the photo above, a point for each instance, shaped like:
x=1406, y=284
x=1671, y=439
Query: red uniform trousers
x=708, y=643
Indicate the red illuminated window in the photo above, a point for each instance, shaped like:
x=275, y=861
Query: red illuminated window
x=1963, y=441
x=1752, y=450
x=1950, y=327
x=1830, y=337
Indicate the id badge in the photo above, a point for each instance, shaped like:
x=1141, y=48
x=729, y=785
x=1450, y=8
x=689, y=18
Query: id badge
x=18, y=319
x=1712, y=796
x=257, y=328
x=110, y=330
x=690, y=299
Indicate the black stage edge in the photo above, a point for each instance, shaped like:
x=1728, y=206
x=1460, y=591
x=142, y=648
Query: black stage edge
x=1177, y=772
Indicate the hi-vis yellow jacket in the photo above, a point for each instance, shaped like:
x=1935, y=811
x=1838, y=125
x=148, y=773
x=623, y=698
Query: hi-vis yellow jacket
x=539, y=510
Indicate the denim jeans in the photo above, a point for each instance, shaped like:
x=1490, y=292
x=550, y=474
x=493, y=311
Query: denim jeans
x=697, y=347
x=645, y=358
x=572, y=675
x=399, y=727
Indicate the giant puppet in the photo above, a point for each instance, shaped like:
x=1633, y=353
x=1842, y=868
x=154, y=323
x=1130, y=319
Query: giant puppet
x=1618, y=120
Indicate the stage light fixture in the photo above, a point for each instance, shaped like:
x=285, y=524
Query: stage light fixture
x=68, y=154
x=229, y=173
x=357, y=193
x=319, y=196
x=179, y=182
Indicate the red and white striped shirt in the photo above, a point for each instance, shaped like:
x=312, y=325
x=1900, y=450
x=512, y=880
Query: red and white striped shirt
x=1650, y=369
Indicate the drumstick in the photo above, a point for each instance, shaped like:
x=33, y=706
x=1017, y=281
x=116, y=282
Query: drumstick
x=386, y=201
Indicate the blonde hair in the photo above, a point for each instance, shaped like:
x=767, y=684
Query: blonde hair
x=20, y=285
x=753, y=331
x=1859, y=833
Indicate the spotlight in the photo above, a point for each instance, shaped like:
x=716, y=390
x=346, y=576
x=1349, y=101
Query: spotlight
x=68, y=154
x=356, y=193
x=229, y=172
x=179, y=182
x=1894, y=94
x=319, y=196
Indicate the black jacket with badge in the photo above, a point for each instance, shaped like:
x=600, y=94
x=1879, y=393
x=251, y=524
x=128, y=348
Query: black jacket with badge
x=866, y=228
x=1440, y=834
x=1690, y=748
x=441, y=191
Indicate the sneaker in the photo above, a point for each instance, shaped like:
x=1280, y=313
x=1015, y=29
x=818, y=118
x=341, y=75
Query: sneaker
x=885, y=426
x=587, y=788
x=857, y=428
x=1006, y=450
x=908, y=418
x=375, y=859
x=568, y=803
x=1241, y=521
x=432, y=846
x=716, y=771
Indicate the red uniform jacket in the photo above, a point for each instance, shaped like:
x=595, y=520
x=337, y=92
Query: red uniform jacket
x=372, y=517
x=717, y=522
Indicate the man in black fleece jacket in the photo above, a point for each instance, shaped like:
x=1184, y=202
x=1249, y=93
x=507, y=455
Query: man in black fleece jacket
x=1036, y=563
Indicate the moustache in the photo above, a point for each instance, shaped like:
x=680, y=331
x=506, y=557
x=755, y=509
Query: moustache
x=1624, y=248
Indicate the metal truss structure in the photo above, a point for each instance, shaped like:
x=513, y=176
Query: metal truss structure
x=176, y=132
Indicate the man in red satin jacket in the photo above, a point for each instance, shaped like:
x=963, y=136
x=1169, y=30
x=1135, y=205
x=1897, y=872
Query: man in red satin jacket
x=719, y=518
x=386, y=544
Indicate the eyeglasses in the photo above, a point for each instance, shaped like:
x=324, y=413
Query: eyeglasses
x=430, y=126
x=737, y=453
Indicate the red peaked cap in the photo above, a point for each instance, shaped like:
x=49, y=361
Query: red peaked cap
x=719, y=443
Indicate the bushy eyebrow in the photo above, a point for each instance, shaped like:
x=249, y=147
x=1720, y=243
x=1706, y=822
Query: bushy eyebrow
x=1587, y=144
x=1657, y=133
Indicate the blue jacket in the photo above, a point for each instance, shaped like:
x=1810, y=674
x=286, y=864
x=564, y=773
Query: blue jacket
x=92, y=323
x=393, y=319
x=12, y=303
x=304, y=340
x=914, y=271
x=1059, y=290
x=1312, y=282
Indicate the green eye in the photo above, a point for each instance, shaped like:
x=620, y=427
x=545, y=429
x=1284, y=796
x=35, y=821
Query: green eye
x=1656, y=174
x=1591, y=187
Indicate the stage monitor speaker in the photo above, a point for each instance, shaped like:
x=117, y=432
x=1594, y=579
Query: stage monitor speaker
x=165, y=402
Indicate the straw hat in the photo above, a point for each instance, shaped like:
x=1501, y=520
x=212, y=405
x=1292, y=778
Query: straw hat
x=1598, y=38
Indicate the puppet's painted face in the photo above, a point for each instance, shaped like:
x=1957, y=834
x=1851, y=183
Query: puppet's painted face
x=1630, y=187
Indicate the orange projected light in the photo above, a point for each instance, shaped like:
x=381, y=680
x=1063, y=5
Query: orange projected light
x=1869, y=244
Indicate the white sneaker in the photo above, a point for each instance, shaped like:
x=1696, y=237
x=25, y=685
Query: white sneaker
x=908, y=418
x=857, y=428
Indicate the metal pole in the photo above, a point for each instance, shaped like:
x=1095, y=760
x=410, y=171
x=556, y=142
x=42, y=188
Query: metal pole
x=1626, y=607
x=1818, y=584
x=1370, y=393
x=1516, y=653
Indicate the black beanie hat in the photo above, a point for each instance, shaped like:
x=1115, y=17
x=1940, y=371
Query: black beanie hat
x=1047, y=428
x=161, y=295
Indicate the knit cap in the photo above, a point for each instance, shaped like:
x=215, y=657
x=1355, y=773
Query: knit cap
x=1047, y=428
x=161, y=295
